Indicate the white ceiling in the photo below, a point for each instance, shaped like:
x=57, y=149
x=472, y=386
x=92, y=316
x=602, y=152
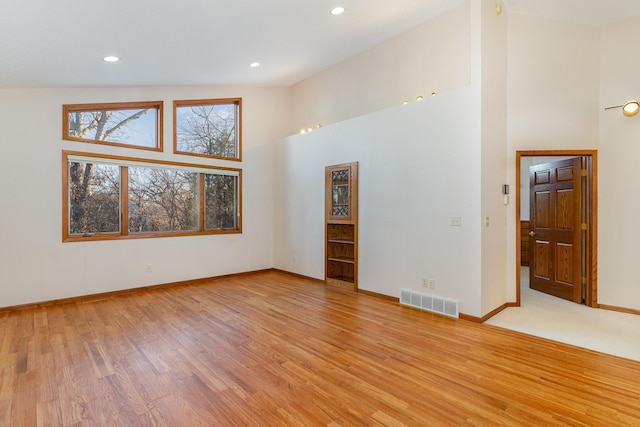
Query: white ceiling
x=61, y=43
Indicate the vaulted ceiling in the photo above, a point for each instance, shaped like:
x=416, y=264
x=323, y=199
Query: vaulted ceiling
x=212, y=42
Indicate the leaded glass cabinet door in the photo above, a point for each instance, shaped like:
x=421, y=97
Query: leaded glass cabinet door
x=341, y=188
x=341, y=232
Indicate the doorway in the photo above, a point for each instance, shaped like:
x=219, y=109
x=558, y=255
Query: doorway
x=586, y=275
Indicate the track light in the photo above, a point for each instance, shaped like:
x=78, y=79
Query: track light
x=629, y=108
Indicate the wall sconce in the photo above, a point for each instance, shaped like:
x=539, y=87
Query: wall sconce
x=629, y=108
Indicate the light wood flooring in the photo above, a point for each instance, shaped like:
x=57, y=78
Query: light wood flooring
x=271, y=349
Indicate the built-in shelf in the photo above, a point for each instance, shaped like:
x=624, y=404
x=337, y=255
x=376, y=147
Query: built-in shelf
x=341, y=214
x=345, y=242
x=347, y=260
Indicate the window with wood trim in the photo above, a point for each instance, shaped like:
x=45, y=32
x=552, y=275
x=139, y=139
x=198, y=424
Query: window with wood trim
x=126, y=124
x=110, y=197
x=208, y=128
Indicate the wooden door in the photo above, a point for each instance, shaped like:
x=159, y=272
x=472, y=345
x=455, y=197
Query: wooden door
x=556, y=229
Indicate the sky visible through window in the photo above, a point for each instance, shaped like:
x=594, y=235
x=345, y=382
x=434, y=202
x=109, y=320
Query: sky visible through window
x=138, y=127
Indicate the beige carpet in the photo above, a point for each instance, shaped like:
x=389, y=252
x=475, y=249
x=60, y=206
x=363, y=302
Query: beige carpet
x=559, y=320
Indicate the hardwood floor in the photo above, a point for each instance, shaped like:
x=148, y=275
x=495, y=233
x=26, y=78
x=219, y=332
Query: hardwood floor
x=270, y=349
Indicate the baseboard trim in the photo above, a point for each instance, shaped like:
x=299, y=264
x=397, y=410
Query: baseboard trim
x=488, y=315
x=619, y=309
x=322, y=282
x=377, y=295
x=470, y=318
x=300, y=276
x=84, y=299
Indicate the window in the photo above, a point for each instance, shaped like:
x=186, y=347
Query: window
x=128, y=124
x=162, y=200
x=152, y=198
x=208, y=128
x=94, y=198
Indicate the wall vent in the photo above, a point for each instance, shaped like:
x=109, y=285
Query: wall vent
x=445, y=306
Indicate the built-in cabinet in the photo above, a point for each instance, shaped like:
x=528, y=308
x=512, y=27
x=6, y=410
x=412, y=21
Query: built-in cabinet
x=524, y=243
x=341, y=226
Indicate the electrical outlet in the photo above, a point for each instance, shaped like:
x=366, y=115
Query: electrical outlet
x=149, y=269
x=425, y=283
x=432, y=283
x=456, y=221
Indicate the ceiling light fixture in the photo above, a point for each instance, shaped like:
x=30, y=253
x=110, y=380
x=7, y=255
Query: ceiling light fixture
x=629, y=108
x=254, y=65
x=419, y=98
x=337, y=11
x=111, y=58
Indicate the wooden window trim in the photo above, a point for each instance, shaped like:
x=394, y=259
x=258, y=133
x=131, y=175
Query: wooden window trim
x=124, y=234
x=157, y=105
x=199, y=102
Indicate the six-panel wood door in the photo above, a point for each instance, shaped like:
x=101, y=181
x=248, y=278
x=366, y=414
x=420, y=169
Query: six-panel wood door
x=555, y=229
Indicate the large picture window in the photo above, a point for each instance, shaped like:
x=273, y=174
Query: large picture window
x=208, y=128
x=109, y=197
x=128, y=124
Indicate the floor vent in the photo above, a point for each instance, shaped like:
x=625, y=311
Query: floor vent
x=448, y=307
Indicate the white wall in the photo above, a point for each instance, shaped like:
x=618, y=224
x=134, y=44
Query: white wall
x=561, y=77
x=418, y=166
x=36, y=266
x=619, y=151
x=493, y=69
x=395, y=255
x=553, y=79
x=432, y=57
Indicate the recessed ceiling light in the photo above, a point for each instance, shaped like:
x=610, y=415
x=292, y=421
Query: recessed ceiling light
x=111, y=58
x=337, y=10
x=254, y=65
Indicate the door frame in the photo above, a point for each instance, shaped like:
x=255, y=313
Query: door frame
x=591, y=243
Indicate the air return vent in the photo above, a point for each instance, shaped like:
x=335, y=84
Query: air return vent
x=448, y=307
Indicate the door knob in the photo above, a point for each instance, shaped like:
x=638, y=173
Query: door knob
x=532, y=233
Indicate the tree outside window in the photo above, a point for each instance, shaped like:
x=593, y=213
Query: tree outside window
x=157, y=198
x=208, y=128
